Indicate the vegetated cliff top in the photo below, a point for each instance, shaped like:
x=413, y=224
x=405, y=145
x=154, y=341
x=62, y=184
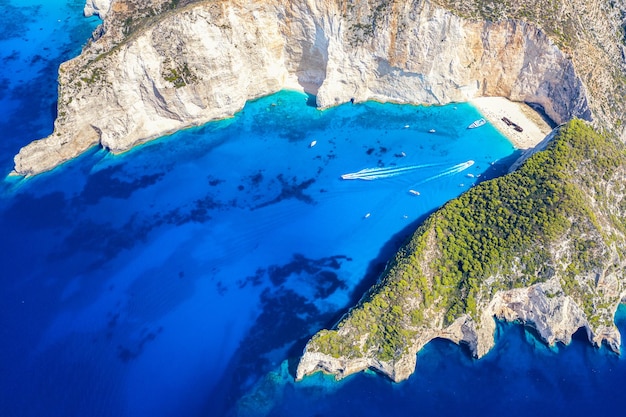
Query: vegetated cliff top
x=561, y=217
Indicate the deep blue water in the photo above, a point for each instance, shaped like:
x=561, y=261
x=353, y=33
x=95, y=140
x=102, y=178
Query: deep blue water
x=183, y=278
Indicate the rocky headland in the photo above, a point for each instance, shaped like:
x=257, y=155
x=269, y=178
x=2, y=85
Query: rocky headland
x=544, y=245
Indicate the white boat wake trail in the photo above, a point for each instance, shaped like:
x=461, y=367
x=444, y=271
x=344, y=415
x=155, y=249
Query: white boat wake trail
x=450, y=171
x=369, y=174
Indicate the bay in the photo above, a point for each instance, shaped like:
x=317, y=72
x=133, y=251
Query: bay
x=185, y=276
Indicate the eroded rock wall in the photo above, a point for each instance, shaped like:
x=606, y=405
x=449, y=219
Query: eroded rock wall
x=544, y=307
x=97, y=7
x=157, y=68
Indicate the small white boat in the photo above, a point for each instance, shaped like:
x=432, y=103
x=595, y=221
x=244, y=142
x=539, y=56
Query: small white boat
x=477, y=123
x=414, y=192
x=407, y=126
x=312, y=144
x=432, y=131
x=367, y=215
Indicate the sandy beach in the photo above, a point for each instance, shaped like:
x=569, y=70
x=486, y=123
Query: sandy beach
x=535, y=128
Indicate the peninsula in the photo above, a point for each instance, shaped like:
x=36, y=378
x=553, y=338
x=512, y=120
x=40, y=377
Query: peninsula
x=544, y=245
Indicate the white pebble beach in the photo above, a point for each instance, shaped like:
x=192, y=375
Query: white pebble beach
x=535, y=128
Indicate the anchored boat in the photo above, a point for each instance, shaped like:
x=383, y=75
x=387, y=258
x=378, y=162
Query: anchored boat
x=477, y=123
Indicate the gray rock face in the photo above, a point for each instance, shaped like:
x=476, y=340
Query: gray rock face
x=97, y=7
x=203, y=61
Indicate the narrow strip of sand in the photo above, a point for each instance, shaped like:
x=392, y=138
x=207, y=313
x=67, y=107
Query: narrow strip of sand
x=534, y=127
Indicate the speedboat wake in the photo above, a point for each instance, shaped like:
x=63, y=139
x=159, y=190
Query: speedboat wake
x=369, y=174
x=450, y=171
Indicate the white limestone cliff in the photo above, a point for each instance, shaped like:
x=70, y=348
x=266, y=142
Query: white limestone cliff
x=97, y=7
x=544, y=307
x=204, y=61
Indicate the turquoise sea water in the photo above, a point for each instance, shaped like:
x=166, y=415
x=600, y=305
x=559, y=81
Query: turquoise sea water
x=184, y=277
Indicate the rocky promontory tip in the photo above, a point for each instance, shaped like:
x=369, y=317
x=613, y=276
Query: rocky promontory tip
x=554, y=316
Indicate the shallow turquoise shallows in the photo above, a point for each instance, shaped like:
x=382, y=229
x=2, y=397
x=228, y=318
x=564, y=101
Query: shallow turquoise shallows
x=184, y=277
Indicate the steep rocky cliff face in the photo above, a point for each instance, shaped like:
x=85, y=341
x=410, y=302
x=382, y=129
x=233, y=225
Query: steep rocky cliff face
x=592, y=34
x=159, y=66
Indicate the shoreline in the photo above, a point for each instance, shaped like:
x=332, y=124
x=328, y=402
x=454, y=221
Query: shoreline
x=535, y=128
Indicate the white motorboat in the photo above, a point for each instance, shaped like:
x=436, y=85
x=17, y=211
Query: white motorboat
x=477, y=123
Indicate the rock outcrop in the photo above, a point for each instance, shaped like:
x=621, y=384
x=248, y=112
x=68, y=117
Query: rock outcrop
x=97, y=7
x=159, y=66
x=544, y=307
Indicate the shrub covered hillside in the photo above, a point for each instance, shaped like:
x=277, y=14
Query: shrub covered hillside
x=561, y=215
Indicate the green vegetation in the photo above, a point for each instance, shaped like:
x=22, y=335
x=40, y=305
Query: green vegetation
x=506, y=227
x=499, y=235
x=144, y=16
x=179, y=76
x=127, y=26
x=95, y=76
x=548, y=14
x=370, y=16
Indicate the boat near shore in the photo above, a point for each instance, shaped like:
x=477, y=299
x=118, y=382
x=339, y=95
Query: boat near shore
x=508, y=122
x=477, y=123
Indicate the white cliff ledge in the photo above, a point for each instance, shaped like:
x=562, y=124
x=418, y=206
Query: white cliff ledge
x=543, y=307
x=204, y=61
x=97, y=7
